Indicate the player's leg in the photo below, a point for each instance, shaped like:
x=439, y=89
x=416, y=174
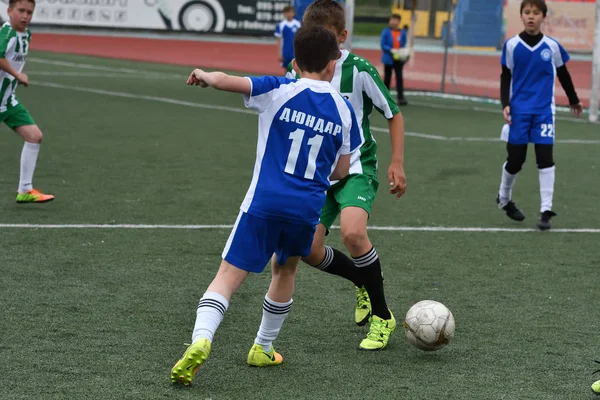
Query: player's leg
x=295, y=241
x=276, y=307
x=516, y=148
x=333, y=261
x=247, y=250
x=398, y=69
x=353, y=222
x=21, y=122
x=543, y=137
x=387, y=75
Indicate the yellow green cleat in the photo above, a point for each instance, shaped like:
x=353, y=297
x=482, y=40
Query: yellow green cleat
x=34, y=196
x=596, y=385
x=184, y=371
x=258, y=357
x=363, y=307
x=379, y=333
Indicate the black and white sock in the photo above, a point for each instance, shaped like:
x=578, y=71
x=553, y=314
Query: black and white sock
x=209, y=315
x=274, y=314
x=337, y=263
x=369, y=269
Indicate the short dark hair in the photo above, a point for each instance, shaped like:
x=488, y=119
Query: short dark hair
x=327, y=13
x=539, y=4
x=288, y=9
x=397, y=16
x=13, y=3
x=314, y=48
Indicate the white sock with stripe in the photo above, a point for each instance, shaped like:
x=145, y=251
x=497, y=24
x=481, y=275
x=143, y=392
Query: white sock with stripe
x=546, y=177
x=506, y=185
x=29, y=157
x=209, y=315
x=274, y=315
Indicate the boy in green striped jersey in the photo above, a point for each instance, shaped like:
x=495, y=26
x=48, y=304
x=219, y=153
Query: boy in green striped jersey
x=352, y=197
x=14, y=46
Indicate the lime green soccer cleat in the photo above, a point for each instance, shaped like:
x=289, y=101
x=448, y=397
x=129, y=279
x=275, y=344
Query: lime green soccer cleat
x=363, y=307
x=379, y=333
x=183, y=372
x=596, y=385
x=258, y=357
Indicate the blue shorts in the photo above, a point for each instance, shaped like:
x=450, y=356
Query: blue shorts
x=532, y=128
x=253, y=241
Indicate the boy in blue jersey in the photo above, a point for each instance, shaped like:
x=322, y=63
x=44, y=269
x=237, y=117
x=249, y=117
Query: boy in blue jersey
x=530, y=63
x=307, y=133
x=284, y=32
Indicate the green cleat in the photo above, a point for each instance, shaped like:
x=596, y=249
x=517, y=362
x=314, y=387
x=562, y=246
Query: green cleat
x=34, y=196
x=363, y=307
x=379, y=333
x=183, y=372
x=258, y=357
x=596, y=385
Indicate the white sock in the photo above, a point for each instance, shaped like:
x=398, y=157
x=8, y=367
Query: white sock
x=211, y=310
x=274, y=314
x=506, y=185
x=546, y=187
x=29, y=157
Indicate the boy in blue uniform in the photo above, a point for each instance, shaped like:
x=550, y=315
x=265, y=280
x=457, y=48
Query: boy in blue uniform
x=530, y=63
x=284, y=32
x=307, y=133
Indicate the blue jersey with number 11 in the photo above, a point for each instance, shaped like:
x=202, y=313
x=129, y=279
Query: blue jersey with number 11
x=304, y=126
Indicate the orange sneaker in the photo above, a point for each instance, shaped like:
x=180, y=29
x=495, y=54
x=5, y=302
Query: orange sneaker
x=34, y=196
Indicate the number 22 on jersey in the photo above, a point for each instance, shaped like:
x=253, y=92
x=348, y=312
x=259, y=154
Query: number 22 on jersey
x=297, y=137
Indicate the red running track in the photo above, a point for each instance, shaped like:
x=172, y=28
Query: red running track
x=476, y=75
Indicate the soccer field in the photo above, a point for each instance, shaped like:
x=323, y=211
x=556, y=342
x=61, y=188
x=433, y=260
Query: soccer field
x=98, y=312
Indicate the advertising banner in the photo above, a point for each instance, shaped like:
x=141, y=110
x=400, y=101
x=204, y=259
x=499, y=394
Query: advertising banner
x=244, y=17
x=570, y=22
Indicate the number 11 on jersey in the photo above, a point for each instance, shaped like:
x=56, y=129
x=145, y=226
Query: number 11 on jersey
x=297, y=137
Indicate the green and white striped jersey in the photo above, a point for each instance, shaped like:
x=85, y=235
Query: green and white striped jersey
x=14, y=47
x=359, y=82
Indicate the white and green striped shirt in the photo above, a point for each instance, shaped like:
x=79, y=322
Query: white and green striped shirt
x=14, y=47
x=359, y=82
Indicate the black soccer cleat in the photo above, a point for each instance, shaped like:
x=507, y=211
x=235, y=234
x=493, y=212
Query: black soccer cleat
x=545, y=221
x=511, y=209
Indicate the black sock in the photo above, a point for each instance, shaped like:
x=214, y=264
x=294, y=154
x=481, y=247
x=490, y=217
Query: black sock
x=369, y=270
x=337, y=263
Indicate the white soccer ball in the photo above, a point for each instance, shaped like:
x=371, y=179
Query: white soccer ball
x=429, y=325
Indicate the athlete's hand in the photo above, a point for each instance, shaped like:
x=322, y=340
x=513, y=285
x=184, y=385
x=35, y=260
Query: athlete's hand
x=197, y=78
x=577, y=109
x=397, y=179
x=507, y=115
x=23, y=79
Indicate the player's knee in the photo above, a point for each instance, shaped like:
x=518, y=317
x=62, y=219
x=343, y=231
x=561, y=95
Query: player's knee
x=355, y=238
x=517, y=154
x=544, y=156
x=34, y=136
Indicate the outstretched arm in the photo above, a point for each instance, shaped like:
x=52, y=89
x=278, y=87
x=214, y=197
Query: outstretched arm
x=220, y=81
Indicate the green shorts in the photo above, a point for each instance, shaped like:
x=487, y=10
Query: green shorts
x=356, y=190
x=17, y=116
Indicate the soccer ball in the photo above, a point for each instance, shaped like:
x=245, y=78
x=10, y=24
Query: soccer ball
x=429, y=325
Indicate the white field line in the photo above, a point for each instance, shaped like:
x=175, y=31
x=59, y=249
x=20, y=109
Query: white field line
x=209, y=227
x=246, y=111
x=148, y=74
